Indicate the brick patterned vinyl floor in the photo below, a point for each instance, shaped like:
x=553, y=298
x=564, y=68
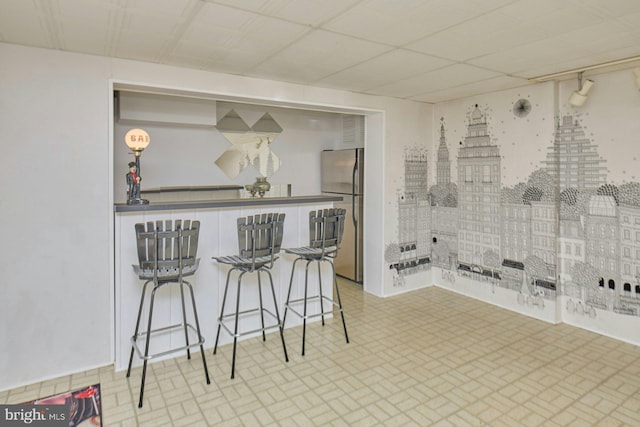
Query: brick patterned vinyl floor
x=426, y=358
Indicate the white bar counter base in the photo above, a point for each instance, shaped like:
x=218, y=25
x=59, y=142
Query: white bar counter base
x=218, y=236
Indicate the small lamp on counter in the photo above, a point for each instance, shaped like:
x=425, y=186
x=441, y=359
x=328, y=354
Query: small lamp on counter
x=137, y=140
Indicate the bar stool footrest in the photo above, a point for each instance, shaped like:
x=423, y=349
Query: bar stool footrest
x=313, y=298
x=221, y=322
x=165, y=330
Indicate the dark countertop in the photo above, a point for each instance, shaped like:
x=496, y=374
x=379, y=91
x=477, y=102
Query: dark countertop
x=192, y=188
x=226, y=203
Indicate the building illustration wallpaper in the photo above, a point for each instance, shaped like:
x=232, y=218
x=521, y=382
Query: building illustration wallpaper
x=527, y=203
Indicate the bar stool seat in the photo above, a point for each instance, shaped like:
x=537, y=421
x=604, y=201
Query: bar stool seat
x=259, y=242
x=312, y=253
x=326, y=228
x=166, y=255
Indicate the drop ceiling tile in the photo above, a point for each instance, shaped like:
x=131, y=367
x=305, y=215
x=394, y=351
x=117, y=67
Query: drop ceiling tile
x=609, y=8
x=153, y=8
x=345, y=44
x=474, y=38
x=549, y=17
x=386, y=68
x=450, y=76
x=89, y=14
x=593, y=33
x=251, y=5
x=624, y=52
x=20, y=23
x=138, y=44
x=475, y=88
x=526, y=57
x=632, y=21
x=400, y=22
x=599, y=39
x=206, y=36
x=251, y=36
x=226, y=17
x=308, y=12
x=317, y=55
x=79, y=38
x=563, y=21
x=524, y=10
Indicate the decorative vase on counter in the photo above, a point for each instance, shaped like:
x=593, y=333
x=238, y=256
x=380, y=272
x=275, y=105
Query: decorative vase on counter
x=261, y=185
x=250, y=189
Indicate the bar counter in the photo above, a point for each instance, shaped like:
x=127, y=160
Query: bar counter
x=218, y=236
x=226, y=203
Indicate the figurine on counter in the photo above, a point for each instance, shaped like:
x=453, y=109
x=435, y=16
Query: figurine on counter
x=133, y=181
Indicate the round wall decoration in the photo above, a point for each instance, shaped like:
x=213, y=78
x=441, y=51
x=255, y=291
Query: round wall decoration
x=522, y=107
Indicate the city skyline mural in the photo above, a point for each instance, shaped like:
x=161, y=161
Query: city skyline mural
x=564, y=230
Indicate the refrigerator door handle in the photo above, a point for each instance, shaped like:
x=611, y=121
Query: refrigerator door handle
x=353, y=217
x=353, y=193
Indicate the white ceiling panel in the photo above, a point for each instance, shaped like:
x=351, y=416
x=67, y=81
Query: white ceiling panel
x=475, y=38
x=384, y=69
x=256, y=6
x=238, y=44
x=175, y=8
x=307, y=12
x=520, y=59
x=475, y=88
x=426, y=50
x=90, y=13
x=632, y=21
x=225, y=17
x=317, y=55
x=609, y=8
x=400, y=22
x=601, y=37
x=21, y=22
x=454, y=75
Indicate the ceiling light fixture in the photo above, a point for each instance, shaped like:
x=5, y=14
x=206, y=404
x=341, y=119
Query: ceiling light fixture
x=553, y=76
x=579, y=97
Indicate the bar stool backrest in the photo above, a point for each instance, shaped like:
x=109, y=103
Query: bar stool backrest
x=167, y=250
x=260, y=236
x=326, y=228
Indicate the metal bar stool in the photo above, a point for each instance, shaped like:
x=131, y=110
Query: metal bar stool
x=325, y=235
x=259, y=241
x=166, y=255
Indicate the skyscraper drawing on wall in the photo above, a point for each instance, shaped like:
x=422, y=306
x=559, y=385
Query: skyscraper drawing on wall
x=415, y=174
x=572, y=159
x=413, y=249
x=414, y=212
x=478, y=193
x=444, y=211
x=443, y=165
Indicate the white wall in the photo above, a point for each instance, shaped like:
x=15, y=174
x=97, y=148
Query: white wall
x=610, y=121
x=400, y=139
x=56, y=314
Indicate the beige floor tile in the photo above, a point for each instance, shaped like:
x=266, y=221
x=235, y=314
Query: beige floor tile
x=428, y=357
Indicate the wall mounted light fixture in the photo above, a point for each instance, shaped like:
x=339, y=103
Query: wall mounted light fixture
x=579, y=97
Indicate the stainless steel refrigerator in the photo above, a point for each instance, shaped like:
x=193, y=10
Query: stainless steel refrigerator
x=343, y=174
